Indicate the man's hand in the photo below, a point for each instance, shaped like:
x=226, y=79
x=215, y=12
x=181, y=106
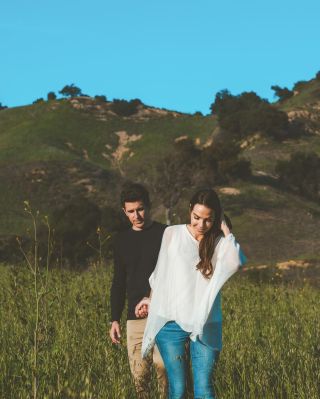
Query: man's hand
x=142, y=309
x=115, y=332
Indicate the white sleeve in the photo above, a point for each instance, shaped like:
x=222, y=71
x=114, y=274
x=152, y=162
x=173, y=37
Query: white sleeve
x=231, y=254
x=228, y=262
x=162, y=258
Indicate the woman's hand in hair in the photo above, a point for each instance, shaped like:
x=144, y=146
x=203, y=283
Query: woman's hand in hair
x=225, y=229
x=142, y=309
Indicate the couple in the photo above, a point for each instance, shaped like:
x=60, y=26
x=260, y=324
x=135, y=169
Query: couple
x=184, y=305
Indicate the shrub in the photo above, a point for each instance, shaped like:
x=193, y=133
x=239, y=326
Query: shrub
x=101, y=98
x=174, y=172
x=198, y=113
x=300, y=85
x=38, y=100
x=238, y=168
x=301, y=174
x=124, y=107
x=221, y=162
x=282, y=93
x=75, y=224
x=247, y=113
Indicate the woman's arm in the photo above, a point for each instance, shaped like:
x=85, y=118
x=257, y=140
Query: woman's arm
x=234, y=252
x=225, y=229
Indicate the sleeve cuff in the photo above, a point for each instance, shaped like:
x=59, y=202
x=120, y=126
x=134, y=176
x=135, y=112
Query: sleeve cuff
x=229, y=237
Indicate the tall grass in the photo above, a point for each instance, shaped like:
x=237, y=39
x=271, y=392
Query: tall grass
x=271, y=340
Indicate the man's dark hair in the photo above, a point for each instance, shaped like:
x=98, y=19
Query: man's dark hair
x=135, y=192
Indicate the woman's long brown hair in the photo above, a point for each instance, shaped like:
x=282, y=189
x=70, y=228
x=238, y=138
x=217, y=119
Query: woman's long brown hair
x=209, y=198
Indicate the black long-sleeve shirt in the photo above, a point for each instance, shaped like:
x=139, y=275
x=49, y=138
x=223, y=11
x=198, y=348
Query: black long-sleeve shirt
x=135, y=257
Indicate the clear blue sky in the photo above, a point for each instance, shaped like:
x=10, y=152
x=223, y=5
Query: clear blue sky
x=171, y=53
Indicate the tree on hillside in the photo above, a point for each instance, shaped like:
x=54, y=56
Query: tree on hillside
x=51, y=96
x=317, y=77
x=2, y=107
x=70, y=91
x=222, y=162
x=175, y=173
x=282, y=93
x=187, y=165
x=247, y=113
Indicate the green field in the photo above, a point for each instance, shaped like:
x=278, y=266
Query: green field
x=271, y=339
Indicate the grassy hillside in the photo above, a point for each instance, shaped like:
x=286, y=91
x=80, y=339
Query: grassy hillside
x=264, y=153
x=304, y=106
x=54, y=152
x=306, y=93
x=58, y=130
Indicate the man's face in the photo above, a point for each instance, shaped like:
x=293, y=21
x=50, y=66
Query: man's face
x=137, y=213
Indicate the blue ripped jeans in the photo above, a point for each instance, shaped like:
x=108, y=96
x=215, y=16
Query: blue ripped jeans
x=171, y=341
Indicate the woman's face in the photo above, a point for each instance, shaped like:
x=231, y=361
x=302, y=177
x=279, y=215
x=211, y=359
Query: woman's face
x=201, y=218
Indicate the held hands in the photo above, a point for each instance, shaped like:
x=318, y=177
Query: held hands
x=225, y=229
x=141, y=311
x=142, y=308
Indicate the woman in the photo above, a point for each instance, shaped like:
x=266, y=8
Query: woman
x=194, y=262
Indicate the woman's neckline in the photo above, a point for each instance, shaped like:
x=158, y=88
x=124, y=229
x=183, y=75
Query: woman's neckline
x=191, y=235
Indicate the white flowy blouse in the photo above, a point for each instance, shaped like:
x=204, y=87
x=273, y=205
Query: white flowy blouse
x=182, y=294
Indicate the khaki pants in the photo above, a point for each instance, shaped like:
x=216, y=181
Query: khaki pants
x=141, y=368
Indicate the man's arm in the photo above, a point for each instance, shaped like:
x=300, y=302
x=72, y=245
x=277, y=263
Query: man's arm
x=117, y=296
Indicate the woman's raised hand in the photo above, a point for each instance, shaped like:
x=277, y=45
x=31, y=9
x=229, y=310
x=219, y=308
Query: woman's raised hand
x=225, y=229
x=142, y=309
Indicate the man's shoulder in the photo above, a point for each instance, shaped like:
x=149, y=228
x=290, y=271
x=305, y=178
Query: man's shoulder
x=159, y=226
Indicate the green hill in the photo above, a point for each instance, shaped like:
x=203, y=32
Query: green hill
x=40, y=144
x=84, y=129
x=53, y=152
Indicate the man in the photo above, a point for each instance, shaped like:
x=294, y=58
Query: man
x=135, y=256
